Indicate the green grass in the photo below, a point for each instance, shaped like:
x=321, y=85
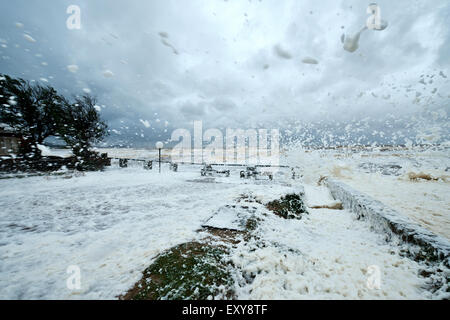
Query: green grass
x=191, y=271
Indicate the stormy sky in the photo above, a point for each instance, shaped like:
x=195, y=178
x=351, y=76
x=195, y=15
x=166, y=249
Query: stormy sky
x=158, y=65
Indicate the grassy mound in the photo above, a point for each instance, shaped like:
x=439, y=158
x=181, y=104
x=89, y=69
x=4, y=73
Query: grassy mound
x=290, y=206
x=192, y=271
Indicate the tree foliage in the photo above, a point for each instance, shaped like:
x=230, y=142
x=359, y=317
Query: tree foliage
x=33, y=111
x=82, y=126
x=36, y=112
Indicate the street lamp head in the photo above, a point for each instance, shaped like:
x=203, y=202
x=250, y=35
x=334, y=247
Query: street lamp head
x=159, y=145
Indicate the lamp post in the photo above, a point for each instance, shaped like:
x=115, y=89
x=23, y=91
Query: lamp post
x=159, y=145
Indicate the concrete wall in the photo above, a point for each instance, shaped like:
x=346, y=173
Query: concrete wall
x=426, y=246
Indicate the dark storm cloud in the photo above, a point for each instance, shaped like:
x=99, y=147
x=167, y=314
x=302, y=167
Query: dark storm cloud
x=230, y=63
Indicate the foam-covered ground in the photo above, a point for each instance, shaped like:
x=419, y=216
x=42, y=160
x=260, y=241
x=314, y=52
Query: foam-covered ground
x=112, y=225
x=326, y=255
x=386, y=176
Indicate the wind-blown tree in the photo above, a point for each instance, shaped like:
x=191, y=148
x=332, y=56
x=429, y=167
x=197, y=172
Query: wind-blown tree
x=82, y=127
x=33, y=111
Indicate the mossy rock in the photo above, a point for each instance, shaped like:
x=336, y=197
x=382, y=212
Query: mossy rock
x=290, y=206
x=251, y=224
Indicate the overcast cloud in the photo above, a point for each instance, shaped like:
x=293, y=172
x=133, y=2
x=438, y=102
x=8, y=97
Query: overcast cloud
x=158, y=65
